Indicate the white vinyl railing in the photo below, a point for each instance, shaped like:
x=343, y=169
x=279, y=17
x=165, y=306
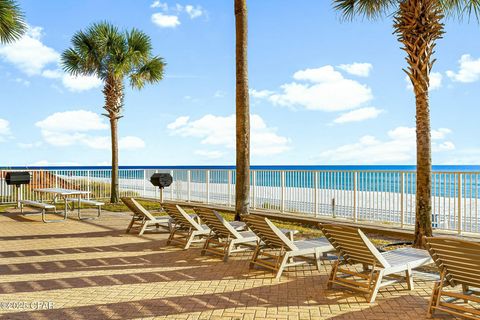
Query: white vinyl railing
x=357, y=195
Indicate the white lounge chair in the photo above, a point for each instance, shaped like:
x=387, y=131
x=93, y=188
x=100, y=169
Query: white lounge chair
x=144, y=218
x=285, y=250
x=355, y=248
x=187, y=229
x=459, y=264
x=223, y=239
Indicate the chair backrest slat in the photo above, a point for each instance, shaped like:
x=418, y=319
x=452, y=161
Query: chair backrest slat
x=353, y=245
x=136, y=207
x=180, y=217
x=217, y=223
x=268, y=232
x=458, y=259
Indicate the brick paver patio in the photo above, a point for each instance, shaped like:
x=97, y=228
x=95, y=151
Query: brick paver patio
x=93, y=270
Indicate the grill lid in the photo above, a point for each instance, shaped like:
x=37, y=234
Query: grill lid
x=17, y=178
x=161, y=180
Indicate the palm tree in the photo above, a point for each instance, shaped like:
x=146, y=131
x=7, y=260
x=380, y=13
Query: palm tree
x=418, y=25
x=242, y=182
x=102, y=50
x=12, y=24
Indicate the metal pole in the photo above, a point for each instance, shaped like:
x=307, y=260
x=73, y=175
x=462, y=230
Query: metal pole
x=315, y=193
x=189, y=180
x=254, y=183
x=207, y=178
x=355, y=196
x=459, y=225
x=282, y=203
x=88, y=184
x=402, y=209
x=172, y=186
x=229, y=191
x=144, y=182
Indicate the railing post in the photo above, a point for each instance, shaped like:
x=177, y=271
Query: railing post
x=144, y=182
x=402, y=195
x=88, y=184
x=355, y=214
x=155, y=189
x=56, y=178
x=315, y=193
x=229, y=188
x=282, y=203
x=172, y=187
x=189, y=180
x=459, y=224
x=207, y=178
x=254, y=183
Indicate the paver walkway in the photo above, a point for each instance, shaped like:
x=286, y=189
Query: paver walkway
x=93, y=270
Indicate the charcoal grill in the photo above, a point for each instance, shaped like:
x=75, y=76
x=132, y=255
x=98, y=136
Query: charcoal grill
x=161, y=180
x=17, y=179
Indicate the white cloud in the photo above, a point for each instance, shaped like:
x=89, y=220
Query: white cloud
x=165, y=21
x=26, y=83
x=131, y=143
x=469, y=70
x=179, y=122
x=219, y=94
x=357, y=69
x=46, y=163
x=194, y=12
x=323, y=89
x=358, y=115
x=220, y=131
x=398, y=148
x=72, y=121
x=33, y=57
x=260, y=94
x=29, y=145
x=435, y=81
x=70, y=128
x=80, y=83
x=29, y=54
x=4, y=129
x=162, y=5
x=209, y=154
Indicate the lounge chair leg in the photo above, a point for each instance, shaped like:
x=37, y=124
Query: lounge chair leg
x=318, y=255
x=130, y=225
x=282, y=266
x=333, y=274
x=376, y=287
x=255, y=256
x=434, y=298
x=189, y=241
x=409, y=278
x=205, y=246
x=230, y=247
x=144, y=227
x=465, y=291
x=170, y=237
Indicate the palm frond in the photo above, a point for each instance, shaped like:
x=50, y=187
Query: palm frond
x=152, y=71
x=139, y=46
x=462, y=8
x=370, y=9
x=12, y=24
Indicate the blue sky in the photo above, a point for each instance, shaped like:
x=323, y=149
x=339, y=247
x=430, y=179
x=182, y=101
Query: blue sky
x=323, y=91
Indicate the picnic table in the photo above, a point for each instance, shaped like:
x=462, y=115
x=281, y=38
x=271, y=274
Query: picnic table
x=62, y=193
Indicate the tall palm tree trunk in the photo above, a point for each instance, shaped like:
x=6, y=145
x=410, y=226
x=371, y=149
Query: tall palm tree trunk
x=418, y=26
x=113, y=92
x=114, y=136
x=242, y=185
